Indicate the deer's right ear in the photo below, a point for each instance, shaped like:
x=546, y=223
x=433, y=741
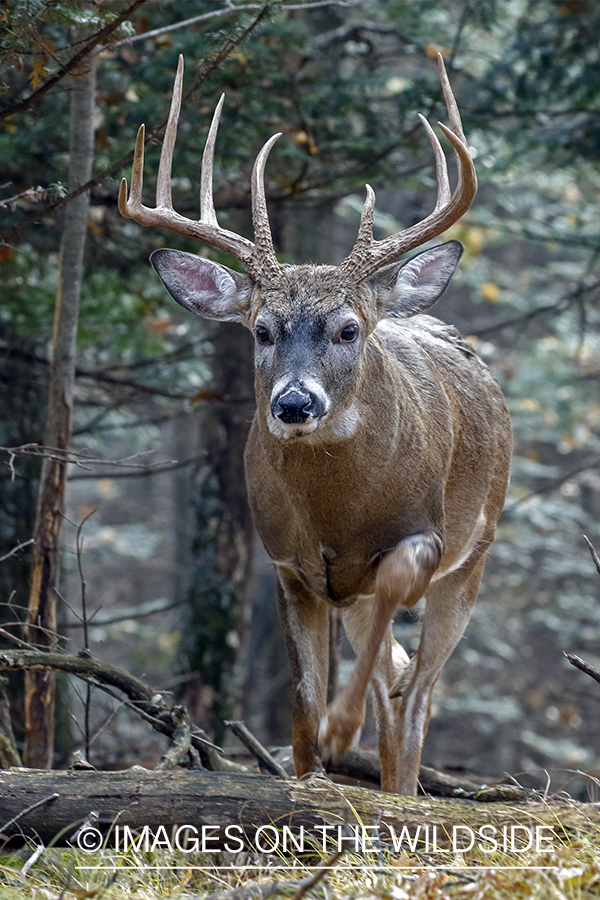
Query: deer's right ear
x=203, y=286
x=408, y=288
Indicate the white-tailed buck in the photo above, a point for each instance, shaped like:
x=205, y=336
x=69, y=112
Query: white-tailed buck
x=378, y=457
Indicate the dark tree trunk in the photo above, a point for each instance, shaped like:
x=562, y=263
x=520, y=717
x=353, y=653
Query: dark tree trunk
x=41, y=619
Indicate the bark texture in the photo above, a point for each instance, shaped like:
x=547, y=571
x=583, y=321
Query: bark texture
x=139, y=797
x=41, y=617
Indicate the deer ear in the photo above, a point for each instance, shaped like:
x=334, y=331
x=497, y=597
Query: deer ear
x=203, y=286
x=418, y=283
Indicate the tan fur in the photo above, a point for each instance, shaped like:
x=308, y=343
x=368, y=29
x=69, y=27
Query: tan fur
x=412, y=494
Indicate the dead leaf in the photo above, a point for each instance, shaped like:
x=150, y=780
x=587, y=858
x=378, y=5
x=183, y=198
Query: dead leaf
x=39, y=73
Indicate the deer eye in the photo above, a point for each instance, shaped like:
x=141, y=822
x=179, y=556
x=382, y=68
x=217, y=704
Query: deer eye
x=263, y=335
x=348, y=334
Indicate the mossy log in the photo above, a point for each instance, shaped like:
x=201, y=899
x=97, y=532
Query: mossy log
x=45, y=803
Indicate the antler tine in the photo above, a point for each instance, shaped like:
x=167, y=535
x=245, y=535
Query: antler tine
x=369, y=255
x=441, y=166
x=129, y=206
x=207, y=206
x=260, y=216
x=163, y=182
x=451, y=104
x=259, y=258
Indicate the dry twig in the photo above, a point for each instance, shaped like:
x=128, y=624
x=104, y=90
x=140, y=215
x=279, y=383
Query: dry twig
x=265, y=760
x=594, y=555
x=583, y=666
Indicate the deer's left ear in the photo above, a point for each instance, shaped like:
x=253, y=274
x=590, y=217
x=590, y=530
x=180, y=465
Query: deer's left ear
x=410, y=288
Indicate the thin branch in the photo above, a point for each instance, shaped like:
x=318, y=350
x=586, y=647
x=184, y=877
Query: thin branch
x=583, y=666
x=16, y=549
x=24, y=645
x=72, y=64
x=145, y=701
x=592, y=549
x=265, y=760
x=229, y=11
x=308, y=883
x=267, y=889
x=141, y=612
x=180, y=741
x=158, y=469
x=80, y=459
x=29, y=809
x=555, y=483
x=575, y=295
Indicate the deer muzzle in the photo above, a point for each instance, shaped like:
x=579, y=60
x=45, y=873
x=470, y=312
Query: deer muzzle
x=296, y=406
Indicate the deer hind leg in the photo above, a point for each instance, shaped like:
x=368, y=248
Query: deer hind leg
x=448, y=608
x=305, y=625
x=402, y=577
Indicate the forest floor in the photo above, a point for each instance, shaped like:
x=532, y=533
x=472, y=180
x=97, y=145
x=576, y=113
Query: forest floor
x=570, y=870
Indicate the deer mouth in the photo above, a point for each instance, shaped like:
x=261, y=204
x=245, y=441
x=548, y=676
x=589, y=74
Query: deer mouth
x=287, y=430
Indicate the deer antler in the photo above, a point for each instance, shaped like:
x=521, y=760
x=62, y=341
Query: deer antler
x=369, y=255
x=259, y=258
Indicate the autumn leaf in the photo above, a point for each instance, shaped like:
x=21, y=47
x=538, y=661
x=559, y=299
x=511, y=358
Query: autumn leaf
x=490, y=291
x=39, y=73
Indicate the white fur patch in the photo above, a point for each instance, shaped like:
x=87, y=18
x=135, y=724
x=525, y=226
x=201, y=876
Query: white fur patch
x=467, y=549
x=346, y=424
x=286, y=430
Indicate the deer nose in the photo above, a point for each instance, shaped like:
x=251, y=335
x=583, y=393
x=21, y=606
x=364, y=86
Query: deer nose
x=293, y=407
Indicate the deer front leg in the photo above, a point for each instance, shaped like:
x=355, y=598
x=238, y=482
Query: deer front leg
x=447, y=612
x=305, y=625
x=402, y=577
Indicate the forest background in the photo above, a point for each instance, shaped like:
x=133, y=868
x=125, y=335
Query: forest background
x=177, y=587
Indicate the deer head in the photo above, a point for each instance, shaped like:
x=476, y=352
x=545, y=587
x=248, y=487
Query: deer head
x=310, y=322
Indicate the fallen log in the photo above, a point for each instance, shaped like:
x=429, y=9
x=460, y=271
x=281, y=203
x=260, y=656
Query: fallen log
x=45, y=803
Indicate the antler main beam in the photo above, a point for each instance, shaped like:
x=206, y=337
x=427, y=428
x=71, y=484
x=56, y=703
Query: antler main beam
x=369, y=255
x=259, y=258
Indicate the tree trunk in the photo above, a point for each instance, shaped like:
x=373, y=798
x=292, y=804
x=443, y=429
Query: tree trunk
x=41, y=618
x=139, y=797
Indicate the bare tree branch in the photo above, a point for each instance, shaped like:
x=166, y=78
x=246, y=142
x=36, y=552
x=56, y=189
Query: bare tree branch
x=553, y=484
x=142, y=699
x=230, y=10
x=16, y=549
x=10, y=234
x=592, y=550
x=265, y=760
x=79, y=459
x=583, y=666
x=72, y=64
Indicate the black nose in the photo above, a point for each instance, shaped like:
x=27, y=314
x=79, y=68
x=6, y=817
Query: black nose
x=292, y=407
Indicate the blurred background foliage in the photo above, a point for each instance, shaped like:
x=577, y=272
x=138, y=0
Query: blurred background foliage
x=184, y=592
